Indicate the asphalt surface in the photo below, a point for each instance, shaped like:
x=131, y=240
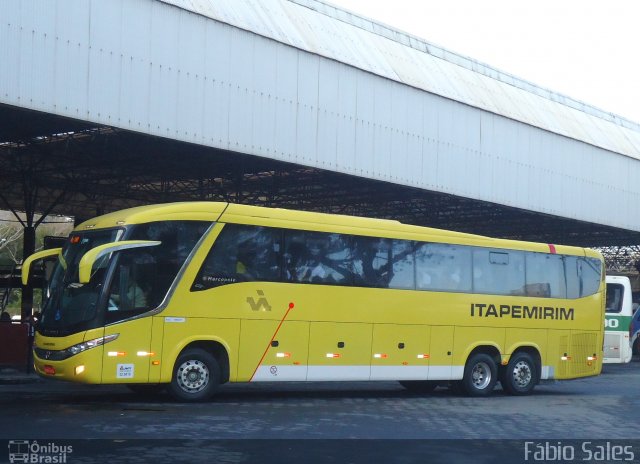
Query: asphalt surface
x=328, y=422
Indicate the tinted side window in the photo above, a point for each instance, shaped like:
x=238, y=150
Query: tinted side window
x=372, y=262
x=241, y=254
x=403, y=270
x=316, y=257
x=443, y=267
x=498, y=272
x=573, y=278
x=383, y=263
x=144, y=275
x=545, y=276
x=590, y=274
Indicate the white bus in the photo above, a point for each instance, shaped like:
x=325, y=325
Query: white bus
x=619, y=311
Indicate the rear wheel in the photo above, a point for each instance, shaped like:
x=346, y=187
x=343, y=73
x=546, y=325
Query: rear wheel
x=419, y=386
x=521, y=375
x=196, y=376
x=480, y=375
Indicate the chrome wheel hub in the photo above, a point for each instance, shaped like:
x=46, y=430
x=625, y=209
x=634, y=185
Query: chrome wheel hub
x=193, y=376
x=522, y=374
x=481, y=375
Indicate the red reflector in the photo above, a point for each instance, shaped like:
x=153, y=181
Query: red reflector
x=49, y=370
x=552, y=249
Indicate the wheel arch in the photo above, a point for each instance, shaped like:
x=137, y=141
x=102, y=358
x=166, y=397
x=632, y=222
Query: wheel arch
x=533, y=351
x=486, y=348
x=217, y=348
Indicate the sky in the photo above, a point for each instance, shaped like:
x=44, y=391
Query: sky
x=588, y=50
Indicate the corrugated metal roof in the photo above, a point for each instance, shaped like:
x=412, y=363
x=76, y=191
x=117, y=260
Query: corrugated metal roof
x=329, y=31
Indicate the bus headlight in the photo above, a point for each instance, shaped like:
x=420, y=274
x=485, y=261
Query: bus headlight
x=61, y=355
x=84, y=346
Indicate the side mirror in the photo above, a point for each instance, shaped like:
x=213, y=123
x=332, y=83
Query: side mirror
x=26, y=266
x=91, y=256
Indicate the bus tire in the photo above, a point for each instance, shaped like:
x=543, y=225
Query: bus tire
x=419, y=386
x=196, y=376
x=480, y=375
x=520, y=376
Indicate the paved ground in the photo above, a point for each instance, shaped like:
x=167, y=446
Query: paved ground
x=270, y=422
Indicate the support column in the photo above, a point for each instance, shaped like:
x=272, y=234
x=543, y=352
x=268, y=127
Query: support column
x=28, y=248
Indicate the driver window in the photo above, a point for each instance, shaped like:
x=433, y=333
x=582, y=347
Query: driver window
x=143, y=276
x=131, y=285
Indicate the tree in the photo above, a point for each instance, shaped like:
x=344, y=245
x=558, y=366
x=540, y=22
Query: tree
x=11, y=243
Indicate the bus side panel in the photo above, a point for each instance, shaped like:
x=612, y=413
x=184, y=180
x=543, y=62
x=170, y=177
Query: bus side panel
x=466, y=339
x=400, y=352
x=617, y=348
x=126, y=359
x=441, y=354
x=531, y=338
x=181, y=331
x=586, y=360
x=339, y=351
x=269, y=356
x=157, y=336
x=557, y=346
x=575, y=353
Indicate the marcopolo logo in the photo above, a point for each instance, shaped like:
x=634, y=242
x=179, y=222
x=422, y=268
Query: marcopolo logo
x=261, y=304
x=33, y=452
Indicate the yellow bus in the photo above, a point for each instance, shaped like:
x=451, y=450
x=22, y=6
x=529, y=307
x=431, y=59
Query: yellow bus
x=188, y=296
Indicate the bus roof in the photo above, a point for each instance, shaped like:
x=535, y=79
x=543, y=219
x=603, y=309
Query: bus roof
x=306, y=220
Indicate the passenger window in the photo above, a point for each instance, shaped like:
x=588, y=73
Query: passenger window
x=443, y=267
x=545, y=276
x=498, y=272
x=573, y=278
x=316, y=257
x=403, y=276
x=241, y=254
x=372, y=262
x=590, y=275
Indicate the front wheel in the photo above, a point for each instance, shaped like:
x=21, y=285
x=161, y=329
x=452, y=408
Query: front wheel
x=196, y=376
x=520, y=376
x=480, y=375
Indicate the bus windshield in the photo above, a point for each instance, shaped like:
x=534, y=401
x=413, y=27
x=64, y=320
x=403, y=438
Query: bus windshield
x=69, y=303
x=123, y=284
